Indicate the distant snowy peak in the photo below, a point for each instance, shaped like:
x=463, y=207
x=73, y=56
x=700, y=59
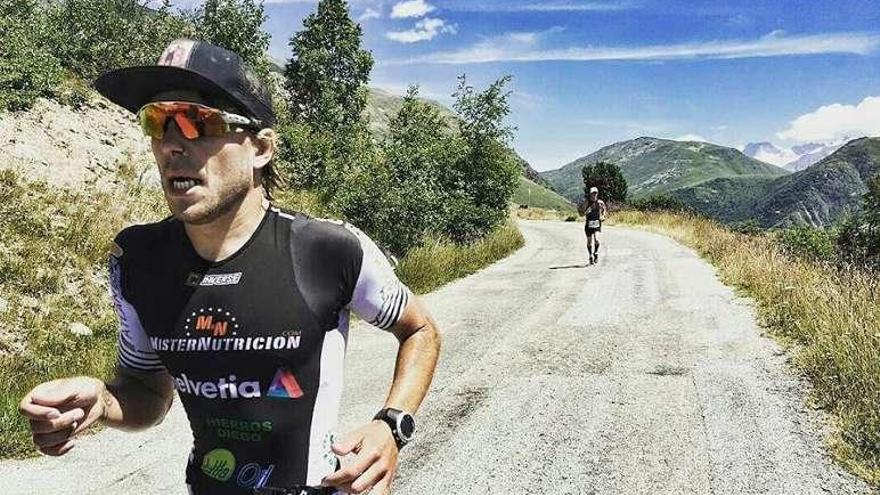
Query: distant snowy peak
x=795, y=159
x=803, y=149
x=812, y=154
x=769, y=153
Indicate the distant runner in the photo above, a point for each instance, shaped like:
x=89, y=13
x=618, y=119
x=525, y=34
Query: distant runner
x=239, y=306
x=594, y=210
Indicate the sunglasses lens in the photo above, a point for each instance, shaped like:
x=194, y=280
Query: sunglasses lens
x=152, y=120
x=192, y=119
x=213, y=124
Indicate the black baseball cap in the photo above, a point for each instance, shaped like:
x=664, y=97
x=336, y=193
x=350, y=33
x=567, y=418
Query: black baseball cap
x=195, y=66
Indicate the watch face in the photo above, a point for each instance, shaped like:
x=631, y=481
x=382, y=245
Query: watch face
x=407, y=426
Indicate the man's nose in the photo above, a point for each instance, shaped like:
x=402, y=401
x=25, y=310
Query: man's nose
x=173, y=141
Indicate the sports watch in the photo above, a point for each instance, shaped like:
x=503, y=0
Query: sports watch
x=402, y=424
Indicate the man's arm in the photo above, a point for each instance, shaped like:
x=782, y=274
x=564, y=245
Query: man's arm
x=59, y=410
x=135, y=401
x=374, y=444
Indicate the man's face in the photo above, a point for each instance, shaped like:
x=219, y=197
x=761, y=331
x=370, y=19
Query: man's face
x=594, y=195
x=206, y=177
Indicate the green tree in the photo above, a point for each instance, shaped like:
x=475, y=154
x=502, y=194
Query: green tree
x=28, y=69
x=90, y=37
x=417, y=152
x=236, y=25
x=328, y=71
x=486, y=174
x=859, y=237
x=608, y=178
x=325, y=82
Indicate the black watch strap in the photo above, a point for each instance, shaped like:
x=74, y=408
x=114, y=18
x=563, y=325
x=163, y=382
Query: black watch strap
x=396, y=420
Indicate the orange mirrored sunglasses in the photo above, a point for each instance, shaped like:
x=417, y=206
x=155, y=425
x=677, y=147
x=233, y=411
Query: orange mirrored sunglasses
x=193, y=119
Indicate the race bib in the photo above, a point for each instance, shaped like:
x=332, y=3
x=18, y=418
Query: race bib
x=593, y=224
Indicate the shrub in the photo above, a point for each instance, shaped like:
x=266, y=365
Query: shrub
x=28, y=69
x=749, y=227
x=809, y=243
x=328, y=70
x=484, y=175
x=859, y=237
x=90, y=37
x=660, y=202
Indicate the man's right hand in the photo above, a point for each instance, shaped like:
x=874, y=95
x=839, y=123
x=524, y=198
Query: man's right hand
x=60, y=409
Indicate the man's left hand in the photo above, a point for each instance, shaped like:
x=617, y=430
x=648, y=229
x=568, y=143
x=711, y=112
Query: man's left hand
x=374, y=464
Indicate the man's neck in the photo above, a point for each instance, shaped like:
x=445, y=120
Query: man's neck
x=220, y=238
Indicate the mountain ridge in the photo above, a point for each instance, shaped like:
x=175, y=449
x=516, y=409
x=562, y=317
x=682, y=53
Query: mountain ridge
x=793, y=159
x=654, y=165
x=819, y=195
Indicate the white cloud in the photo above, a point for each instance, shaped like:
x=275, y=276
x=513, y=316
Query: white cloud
x=528, y=37
x=425, y=29
x=368, y=14
x=692, y=137
x=836, y=121
x=411, y=8
x=773, y=45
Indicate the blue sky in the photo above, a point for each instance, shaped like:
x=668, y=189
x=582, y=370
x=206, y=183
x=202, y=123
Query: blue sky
x=589, y=73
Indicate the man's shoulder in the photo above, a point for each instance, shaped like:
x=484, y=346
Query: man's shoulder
x=323, y=234
x=144, y=237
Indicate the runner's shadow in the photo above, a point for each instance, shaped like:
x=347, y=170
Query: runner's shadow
x=585, y=265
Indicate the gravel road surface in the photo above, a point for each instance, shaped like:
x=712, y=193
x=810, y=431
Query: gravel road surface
x=642, y=374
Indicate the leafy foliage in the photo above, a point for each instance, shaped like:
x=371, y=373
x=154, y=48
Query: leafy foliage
x=809, y=243
x=328, y=71
x=859, y=238
x=237, y=26
x=90, y=37
x=55, y=49
x=416, y=152
x=484, y=176
x=325, y=81
x=608, y=178
x=659, y=202
x=28, y=68
x=424, y=180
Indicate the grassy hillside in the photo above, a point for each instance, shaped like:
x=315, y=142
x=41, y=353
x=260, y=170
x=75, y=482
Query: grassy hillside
x=382, y=106
x=728, y=199
x=540, y=197
x=652, y=166
x=820, y=195
x=825, y=192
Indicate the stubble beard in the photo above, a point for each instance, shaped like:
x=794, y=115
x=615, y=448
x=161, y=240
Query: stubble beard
x=214, y=206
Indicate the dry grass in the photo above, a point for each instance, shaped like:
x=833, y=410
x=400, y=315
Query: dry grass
x=437, y=263
x=830, y=318
x=53, y=251
x=543, y=214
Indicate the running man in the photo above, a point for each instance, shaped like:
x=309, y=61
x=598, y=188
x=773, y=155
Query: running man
x=594, y=210
x=240, y=307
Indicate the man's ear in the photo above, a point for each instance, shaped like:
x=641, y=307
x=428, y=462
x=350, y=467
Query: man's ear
x=266, y=142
